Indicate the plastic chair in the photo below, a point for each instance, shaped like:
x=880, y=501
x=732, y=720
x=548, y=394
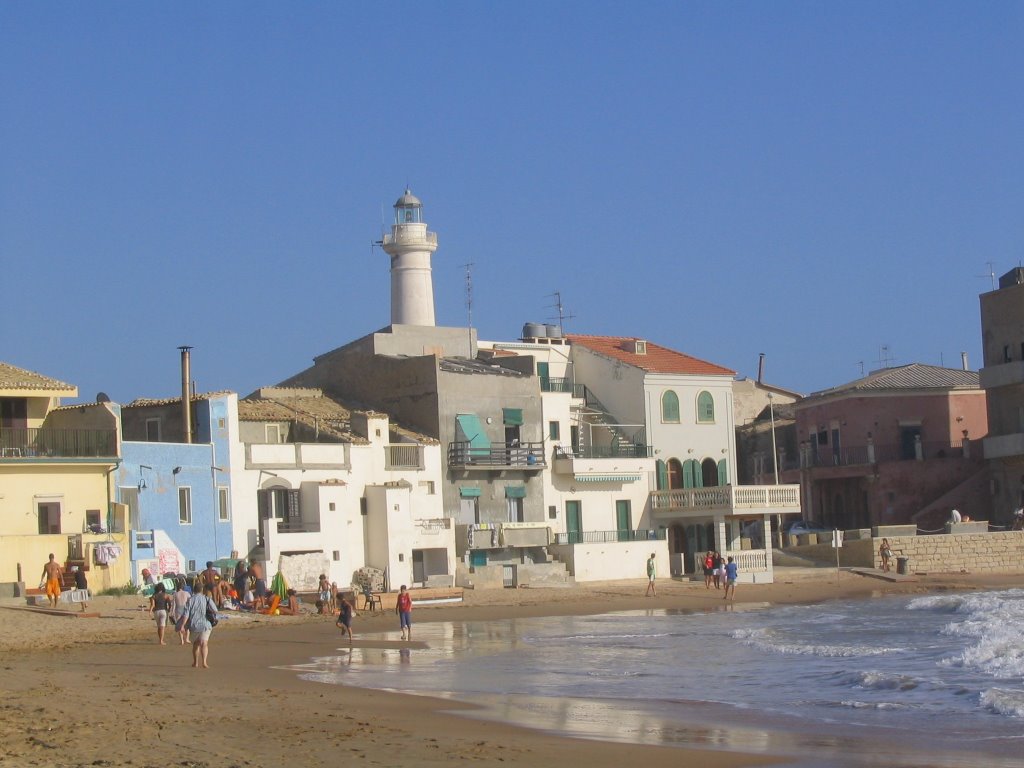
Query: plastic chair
x=371, y=601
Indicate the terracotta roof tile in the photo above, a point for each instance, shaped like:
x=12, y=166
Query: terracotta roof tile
x=12, y=377
x=658, y=359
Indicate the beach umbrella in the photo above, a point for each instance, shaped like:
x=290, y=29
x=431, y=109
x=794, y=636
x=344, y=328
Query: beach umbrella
x=279, y=585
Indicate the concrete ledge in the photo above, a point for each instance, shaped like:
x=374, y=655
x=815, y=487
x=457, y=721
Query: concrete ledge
x=975, y=526
x=889, y=531
x=857, y=534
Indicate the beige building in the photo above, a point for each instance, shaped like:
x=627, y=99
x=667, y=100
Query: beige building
x=1002, y=378
x=55, y=490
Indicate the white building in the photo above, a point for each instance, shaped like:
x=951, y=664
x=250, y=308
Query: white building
x=326, y=490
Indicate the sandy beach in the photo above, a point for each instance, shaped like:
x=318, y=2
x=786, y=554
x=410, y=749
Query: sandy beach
x=101, y=691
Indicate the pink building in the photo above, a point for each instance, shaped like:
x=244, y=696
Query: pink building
x=899, y=446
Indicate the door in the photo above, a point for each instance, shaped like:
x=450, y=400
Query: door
x=573, y=521
x=675, y=473
x=543, y=372
x=623, y=523
x=419, y=573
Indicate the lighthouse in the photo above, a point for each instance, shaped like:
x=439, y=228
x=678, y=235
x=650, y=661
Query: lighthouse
x=410, y=246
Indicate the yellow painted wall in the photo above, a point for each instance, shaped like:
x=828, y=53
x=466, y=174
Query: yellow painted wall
x=83, y=486
x=32, y=553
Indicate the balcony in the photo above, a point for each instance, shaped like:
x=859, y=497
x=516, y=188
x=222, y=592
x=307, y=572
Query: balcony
x=623, y=463
x=607, y=537
x=501, y=535
x=1003, y=375
x=524, y=456
x=551, y=384
x=47, y=443
x=863, y=455
x=728, y=499
x=404, y=456
x=1003, y=446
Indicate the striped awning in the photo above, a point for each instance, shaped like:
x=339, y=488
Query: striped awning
x=607, y=478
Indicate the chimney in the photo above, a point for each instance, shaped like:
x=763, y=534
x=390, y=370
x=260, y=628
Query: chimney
x=963, y=361
x=186, y=400
x=760, y=368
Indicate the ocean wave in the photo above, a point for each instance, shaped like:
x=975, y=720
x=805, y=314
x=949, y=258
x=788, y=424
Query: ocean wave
x=1003, y=702
x=880, y=705
x=881, y=681
x=998, y=655
x=767, y=640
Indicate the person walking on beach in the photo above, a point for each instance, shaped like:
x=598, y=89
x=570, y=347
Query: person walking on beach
x=197, y=623
x=709, y=569
x=345, y=613
x=179, y=600
x=82, y=585
x=730, y=579
x=885, y=553
x=403, y=607
x=159, y=609
x=651, y=573
x=52, y=580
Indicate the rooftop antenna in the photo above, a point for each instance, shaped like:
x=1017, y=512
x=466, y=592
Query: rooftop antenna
x=885, y=358
x=562, y=317
x=991, y=275
x=380, y=240
x=469, y=302
x=861, y=364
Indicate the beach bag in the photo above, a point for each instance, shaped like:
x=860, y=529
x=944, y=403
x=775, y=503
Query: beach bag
x=211, y=612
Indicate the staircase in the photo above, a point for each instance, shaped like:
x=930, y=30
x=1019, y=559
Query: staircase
x=595, y=412
x=934, y=515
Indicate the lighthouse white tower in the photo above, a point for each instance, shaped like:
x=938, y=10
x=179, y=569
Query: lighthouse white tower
x=410, y=245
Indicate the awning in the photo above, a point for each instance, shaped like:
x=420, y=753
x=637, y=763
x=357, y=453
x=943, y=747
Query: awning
x=513, y=417
x=468, y=493
x=607, y=478
x=472, y=430
x=515, y=491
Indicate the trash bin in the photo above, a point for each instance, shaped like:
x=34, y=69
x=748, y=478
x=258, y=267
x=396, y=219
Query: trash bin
x=903, y=565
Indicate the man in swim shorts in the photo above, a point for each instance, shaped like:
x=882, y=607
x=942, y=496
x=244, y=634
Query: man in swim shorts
x=345, y=613
x=52, y=577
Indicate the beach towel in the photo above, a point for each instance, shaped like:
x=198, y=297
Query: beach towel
x=279, y=586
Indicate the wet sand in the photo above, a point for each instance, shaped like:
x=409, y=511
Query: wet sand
x=101, y=691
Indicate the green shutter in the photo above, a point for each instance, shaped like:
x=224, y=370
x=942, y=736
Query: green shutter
x=723, y=472
x=472, y=430
x=691, y=474
x=662, y=475
x=513, y=417
x=515, y=491
x=468, y=492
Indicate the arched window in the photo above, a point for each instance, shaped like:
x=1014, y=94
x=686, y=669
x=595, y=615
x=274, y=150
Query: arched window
x=670, y=407
x=709, y=473
x=705, y=407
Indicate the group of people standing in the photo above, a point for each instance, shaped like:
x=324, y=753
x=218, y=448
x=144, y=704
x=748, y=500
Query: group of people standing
x=718, y=570
x=192, y=613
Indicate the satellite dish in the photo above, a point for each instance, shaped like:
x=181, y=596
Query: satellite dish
x=102, y=397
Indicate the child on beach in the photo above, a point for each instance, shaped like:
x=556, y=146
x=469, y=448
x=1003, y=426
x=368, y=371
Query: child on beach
x=403, y=607
x=731, y=571
x=345, y=613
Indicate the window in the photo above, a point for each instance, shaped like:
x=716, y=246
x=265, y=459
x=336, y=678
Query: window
x=153, y=430
x=49, y=516
x=515, y=509
x=428, y=487
x=554, y=431
x=705, y=407
x=273, y=433
x=185, y=505
x=93, y=521
x=469, y=510
x=670, y=407
x=223, y=508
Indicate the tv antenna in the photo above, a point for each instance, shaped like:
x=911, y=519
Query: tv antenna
x=861, y=364
x=468, y=266
x=560, y=308
x=991, y=275
x=885, y=358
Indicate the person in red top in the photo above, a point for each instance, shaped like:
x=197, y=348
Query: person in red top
x=403, y=607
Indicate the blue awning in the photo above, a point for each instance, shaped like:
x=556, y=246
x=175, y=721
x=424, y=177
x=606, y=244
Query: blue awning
x=607, y=478
x=472, y=430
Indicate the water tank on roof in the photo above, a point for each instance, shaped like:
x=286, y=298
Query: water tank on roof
x=553, y=331
x=534, y=331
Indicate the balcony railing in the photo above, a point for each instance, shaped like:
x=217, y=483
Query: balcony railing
x=728, y=498
x=553, y=384
x=621, y=451
x=855, y=455
x=403, y=457
x=46, y=442
x=605, y=537
x=521, y=456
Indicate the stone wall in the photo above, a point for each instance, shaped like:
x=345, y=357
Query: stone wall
x=995, y=552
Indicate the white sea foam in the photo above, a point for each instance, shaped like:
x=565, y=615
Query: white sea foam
x=881, y=705
x=1003, y=701
x=883, y=681
x=767, y=640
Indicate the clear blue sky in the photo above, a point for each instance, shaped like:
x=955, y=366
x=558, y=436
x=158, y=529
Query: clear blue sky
x=808, y=180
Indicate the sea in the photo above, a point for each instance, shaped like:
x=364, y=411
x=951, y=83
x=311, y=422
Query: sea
x=932, y=680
